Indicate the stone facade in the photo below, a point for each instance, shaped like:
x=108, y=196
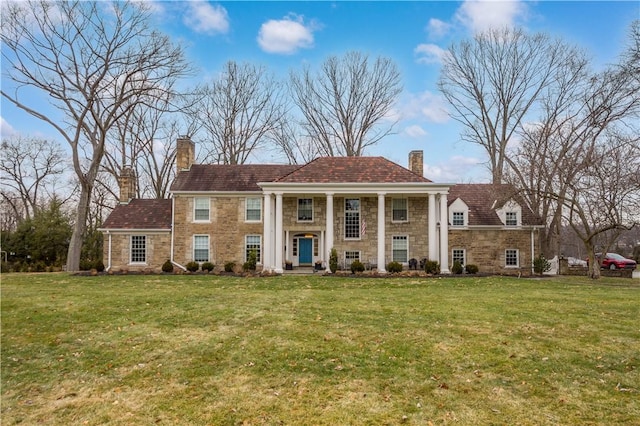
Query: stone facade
x=158, y=250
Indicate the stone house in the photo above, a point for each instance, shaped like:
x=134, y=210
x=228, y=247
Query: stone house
x=367, y=208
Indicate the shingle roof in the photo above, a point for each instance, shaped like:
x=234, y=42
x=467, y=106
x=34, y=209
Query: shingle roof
x=352, y=170
x=483, y=199
x=229, y=177
x=140, y=214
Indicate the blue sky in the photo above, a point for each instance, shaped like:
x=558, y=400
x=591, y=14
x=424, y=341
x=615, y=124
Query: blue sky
x=284, y=35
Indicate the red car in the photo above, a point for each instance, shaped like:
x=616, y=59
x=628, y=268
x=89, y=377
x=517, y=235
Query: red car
x=615, y=261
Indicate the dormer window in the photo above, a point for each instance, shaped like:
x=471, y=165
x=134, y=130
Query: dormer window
x=459, y=213
x=458, y=219
x=511, y=218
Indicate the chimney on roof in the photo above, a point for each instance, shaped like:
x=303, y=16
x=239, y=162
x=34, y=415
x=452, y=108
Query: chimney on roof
x=185, y=153
x=416, y=162
x=127, y=183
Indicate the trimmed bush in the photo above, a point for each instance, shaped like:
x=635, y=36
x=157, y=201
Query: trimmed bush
x=252, y=260
x=432, y=267
x=472, y=269
x=357, y=266
x=228, y=267
x=333, y=261
x=98, y=265
x=208, y=266
x=541, y=264
x=192, y=266
x=394, y=267
x=167, y=266
x=85, y=265
x=457, y=268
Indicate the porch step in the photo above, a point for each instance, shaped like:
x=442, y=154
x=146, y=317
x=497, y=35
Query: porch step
x=301, y=270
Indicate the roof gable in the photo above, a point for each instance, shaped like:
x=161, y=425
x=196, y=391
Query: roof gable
x=352, y=170
x=140, y=214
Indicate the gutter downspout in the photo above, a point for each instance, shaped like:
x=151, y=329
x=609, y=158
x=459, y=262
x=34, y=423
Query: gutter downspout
x=173, y=209
x=109, y=256
x=532, y=251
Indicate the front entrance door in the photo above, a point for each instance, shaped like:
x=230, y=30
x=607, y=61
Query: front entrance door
x=305, y=256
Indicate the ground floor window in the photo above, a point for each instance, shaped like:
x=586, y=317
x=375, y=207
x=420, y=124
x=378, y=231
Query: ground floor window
x=201, y=248
x=511, y=258
x=400, y=248
x=350, y=256
x=138, y=249
x=459, y=255
x=253, y=243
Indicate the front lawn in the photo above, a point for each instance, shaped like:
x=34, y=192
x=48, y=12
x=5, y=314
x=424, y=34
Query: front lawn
x=311, y=350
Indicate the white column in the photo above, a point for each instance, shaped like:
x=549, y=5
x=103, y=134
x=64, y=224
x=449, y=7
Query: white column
x=432, y=228
x=287, y=248
x=278, y=236
x=329, y=238
x=381, y=233
x=444, y=235
x=267, y=246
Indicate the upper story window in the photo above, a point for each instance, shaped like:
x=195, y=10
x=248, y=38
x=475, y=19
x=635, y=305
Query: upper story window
x=352, y=218
x=253, y=207
x=305, y=209
x=400, y=209
x=458, y=219
x=138, y=249
x=201, y=209
x=511, y=219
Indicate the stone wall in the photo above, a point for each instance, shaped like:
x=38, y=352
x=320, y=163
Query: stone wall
x=158, y=250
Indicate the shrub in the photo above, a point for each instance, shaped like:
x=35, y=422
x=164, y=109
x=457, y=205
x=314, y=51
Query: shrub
x=192, y=266
x=357, y=266
x=457, y=268
x=208, y=266
x=394, y=267
x=167, y=266
x=39, y=266
x=99, y=265
x=252, y=260
x=472, y=269
x=541, y=264
x=85, y=265
x=333, y=260
x=228, y=267
x=432, y=267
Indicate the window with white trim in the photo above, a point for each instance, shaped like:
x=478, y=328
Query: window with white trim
x=459, y=255
x=400, y=210
x=253, y=242
x=352, y=218
x=350, y=256
x=138, y=249
x=458, y=219
x=253, y=209
x=511, y=259
x=201, y=248
x=201, y=207
x=511, y=218
x=305, y=209
x=400, y=248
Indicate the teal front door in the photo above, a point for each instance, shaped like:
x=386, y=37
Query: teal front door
x=306, y=255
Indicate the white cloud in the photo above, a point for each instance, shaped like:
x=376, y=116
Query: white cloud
x=456, y=169
x=430, y=53
x=437, y=28
x=6, y=130
x=415, y=131
x=426, y=105
x=285, y=36
x=203, y=17
x=481, y=15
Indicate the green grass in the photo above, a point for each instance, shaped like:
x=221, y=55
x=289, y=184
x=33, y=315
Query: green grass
x=123, y=350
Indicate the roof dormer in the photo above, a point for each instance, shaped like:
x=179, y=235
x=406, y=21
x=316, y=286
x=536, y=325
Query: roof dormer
x=510, y=213
x=458, y=213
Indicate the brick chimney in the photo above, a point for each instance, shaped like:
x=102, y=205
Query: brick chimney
x=127, y=183
x=185, y=153
x=416, y=162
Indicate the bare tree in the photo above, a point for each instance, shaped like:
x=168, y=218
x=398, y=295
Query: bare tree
x=345, y=105
x=238, y=113
x=93, y=61
x=493, y=81
x=30, y=169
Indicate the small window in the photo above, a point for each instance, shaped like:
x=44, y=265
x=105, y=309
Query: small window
x=400, y=248
x=305, y=209
x=511, y=258
x=253, y=209
x=350, y=256
x=201, y=209
x=201, y=248
x=138, y=249
x=400, y=209
x=352, y=218
x=253, y=243
x=458, y=219
x=458, y=254
x=511, y=218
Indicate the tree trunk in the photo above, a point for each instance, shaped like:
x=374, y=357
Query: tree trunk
x=75, y=245
x=593, y=271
